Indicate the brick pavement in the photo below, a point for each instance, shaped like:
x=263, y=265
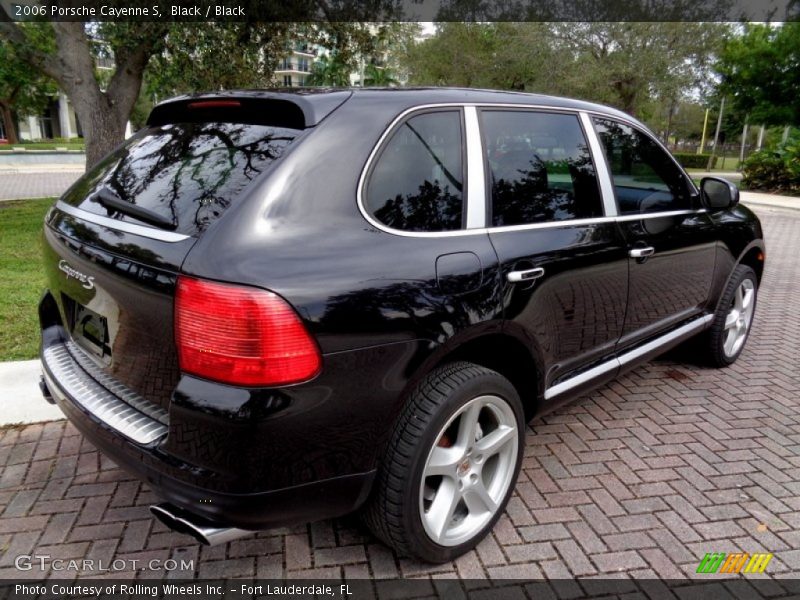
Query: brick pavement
x=640, y=478
x=27, y=184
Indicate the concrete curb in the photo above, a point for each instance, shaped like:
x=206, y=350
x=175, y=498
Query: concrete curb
x=20, y=398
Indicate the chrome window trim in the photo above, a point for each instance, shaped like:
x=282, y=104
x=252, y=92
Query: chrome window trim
x=600, y=166
x=143, y=230
x=486, y=230
x=684, y=331
x=476, y=174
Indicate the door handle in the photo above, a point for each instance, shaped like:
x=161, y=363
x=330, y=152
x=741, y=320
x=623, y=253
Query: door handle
x=642, y=252
x=526, y=275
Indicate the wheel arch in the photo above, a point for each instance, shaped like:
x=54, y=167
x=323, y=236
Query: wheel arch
x=501, y=351
x=753, y=256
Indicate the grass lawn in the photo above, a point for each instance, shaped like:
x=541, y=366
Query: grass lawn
x=21, y=276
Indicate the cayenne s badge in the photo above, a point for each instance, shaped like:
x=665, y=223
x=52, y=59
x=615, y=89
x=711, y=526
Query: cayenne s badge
x=86, y=280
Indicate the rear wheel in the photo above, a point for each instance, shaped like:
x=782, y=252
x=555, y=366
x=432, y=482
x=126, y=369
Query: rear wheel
x=451, y=465
x=733, y=320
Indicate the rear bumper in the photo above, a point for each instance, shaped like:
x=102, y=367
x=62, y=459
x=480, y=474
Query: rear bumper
x=138, y=442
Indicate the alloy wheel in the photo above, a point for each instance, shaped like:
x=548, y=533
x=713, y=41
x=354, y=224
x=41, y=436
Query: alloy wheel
x=469, y=470
x=739, y=317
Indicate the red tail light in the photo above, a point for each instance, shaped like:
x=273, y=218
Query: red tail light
x=241, y=335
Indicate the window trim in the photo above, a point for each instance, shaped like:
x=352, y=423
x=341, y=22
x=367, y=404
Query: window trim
x=604, y=182
x=383, y=143
x=481, y=198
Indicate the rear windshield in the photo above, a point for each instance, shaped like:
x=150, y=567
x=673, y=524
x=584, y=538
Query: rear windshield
x=189, y=173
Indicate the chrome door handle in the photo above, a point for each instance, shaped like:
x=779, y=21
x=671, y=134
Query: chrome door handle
x=642, y=252
x=527, y=275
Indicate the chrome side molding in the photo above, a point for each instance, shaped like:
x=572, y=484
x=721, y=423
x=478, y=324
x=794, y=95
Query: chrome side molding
x=672, y=337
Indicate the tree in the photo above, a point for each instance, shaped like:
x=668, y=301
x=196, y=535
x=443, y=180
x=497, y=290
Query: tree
x=375, y=76
x=22, y=91
x=760, y=71
x=104, y=104
x=330, y=70
x=103, y=112
x=516, y=56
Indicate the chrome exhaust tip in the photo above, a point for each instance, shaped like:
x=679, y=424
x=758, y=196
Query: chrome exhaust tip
x=184, y=522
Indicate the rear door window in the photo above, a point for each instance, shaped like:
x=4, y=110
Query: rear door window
x=189, y=173
x=540, y=168
x=417, y=183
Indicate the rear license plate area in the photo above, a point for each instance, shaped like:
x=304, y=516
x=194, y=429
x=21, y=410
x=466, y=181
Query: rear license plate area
x=89, y=330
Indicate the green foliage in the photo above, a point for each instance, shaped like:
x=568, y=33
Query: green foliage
x=775, y=170
x=215, y=55
x=760, y=72
x=629, y=65
x=330, y=70
x=375, y=76
x=23, y=91
x=691, y=160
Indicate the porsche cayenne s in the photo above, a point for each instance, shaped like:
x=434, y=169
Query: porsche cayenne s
x=278, y=307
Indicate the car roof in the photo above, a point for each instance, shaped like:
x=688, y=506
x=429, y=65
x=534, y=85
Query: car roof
x=317, y=103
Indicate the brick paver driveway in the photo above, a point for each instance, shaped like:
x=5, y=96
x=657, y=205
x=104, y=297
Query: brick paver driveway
x=642, y=477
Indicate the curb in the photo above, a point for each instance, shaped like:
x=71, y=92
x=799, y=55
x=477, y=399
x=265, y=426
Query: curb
x=21, y=400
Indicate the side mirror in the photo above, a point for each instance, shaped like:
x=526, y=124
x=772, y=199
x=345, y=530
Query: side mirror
x=718, y=194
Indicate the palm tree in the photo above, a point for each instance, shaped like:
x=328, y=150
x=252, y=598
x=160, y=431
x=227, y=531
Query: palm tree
x=329, y=71
x=375, y=76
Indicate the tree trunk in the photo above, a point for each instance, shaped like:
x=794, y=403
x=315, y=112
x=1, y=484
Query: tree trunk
x=103, y=124
x=8, y=120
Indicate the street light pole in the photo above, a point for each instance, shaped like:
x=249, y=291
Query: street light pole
x=716, y=135
x=703, y=139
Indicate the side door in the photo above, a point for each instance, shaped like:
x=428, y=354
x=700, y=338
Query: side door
x=670, y=238
x=563, y=261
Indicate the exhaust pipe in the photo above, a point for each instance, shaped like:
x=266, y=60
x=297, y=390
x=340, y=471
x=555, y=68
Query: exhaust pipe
x=184, y=522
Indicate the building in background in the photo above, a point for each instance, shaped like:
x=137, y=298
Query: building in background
x=296, y=67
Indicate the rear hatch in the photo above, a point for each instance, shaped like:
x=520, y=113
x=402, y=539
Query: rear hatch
x=115, y=242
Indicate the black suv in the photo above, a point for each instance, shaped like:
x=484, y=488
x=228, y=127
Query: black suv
x=284, y=306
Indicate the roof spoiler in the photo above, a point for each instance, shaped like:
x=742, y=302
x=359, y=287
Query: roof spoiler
x=295, y=110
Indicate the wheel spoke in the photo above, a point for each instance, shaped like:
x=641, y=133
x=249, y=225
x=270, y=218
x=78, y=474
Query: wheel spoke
x=468, y=424
x=730, y=340
x=738, y=300
x=478, y=500
x=731, y=319
x=747, y=299
x=440, y=513
x=495, y=441
x=443, y=461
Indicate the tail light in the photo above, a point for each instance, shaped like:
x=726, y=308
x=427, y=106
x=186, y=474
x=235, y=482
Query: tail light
x=241, y=335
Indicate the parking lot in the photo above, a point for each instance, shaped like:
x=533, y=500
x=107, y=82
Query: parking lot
x=642, y=477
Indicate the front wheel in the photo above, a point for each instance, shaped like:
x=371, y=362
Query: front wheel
x=733, y=318
x=451, y=465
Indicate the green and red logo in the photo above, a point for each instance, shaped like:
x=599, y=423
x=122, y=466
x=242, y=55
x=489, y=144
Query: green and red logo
x=743, y=562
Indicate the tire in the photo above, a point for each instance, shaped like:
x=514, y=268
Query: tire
x=451, y=464
x=733, y=319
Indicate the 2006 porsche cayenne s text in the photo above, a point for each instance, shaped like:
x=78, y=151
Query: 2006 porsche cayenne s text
x=278, y=307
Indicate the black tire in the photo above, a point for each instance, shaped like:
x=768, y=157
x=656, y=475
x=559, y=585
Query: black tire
x=712, y=343
x=394, y=510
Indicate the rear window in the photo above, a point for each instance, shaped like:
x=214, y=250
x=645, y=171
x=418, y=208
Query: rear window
x=189, y=173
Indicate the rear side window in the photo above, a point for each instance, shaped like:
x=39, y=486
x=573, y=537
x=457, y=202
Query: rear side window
x=540, y=168
x=646, y=179
x=417, y=183
x=189, y=173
